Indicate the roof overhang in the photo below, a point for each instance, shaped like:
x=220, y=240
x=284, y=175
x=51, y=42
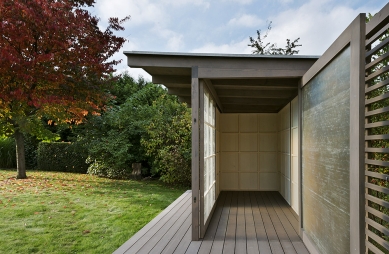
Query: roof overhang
x=239, y=83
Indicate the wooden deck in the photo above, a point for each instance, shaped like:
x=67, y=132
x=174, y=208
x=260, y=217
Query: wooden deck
x=243, y=222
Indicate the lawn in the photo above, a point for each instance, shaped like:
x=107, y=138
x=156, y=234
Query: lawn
x=54, y=212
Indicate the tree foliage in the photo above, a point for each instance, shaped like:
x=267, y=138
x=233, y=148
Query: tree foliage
x=266, y=48
x=54, y=63
x=144, y=125
x=167, y=141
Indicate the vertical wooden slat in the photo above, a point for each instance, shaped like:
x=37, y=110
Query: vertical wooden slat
x=195, y=154
x=357, y=111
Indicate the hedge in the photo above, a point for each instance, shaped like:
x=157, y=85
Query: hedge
x=62, y=157
x=8, y=152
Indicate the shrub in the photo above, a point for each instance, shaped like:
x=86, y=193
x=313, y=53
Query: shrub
x=31, y=151
x=169, y=149
x=7, y=153
x=62, y=157
x=102, y=169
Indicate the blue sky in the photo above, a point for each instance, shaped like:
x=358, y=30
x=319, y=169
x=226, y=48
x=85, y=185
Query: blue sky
x=224, y=26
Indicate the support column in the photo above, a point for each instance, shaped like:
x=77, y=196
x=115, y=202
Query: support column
x=357, y=137
x=195, y=98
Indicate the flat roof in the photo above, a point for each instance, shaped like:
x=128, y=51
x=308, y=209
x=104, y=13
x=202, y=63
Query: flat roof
x=154, y=53
x=239, y=83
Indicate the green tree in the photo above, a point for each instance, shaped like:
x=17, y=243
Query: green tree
x=54, y=63
x=266, y=48
x=150, y=127
x=168, y=140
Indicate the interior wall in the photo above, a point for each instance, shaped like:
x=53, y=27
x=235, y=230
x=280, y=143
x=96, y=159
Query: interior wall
x=284, y=152
x=294, y=196
x=248, y=152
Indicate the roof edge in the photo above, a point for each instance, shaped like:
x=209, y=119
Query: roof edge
x=153, y=53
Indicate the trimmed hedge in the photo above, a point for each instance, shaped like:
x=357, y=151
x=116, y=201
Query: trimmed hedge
x=7, y=153
x=62, y=157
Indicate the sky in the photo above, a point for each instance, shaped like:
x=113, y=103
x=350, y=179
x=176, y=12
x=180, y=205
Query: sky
x=224, y=26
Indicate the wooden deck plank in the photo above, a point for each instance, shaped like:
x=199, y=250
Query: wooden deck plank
x=288, y=211
x=185, y=242
x=180, y=200
x=217, y=247
x=179, y=236
x=194, y=247
x=290, y=231
x=281, y=210
x=209, y=236
x=243, y=222
x=168, y=233
x=240, y=237
x=148, y=236
x=229, y=242
x=263, y=241
x=252, y=243
x=282, y=235
x=272, y=236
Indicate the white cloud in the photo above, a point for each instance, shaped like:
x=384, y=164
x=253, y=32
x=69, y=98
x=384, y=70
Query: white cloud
x=175, y=43
x=317, y=24
x=246, y=20
x=141, y=12
x=228, y=48
x=136, y=73
x=285, y=1
x=202, y=3
x=243, y=2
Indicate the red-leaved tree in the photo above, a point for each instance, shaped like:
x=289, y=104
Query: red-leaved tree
x=54, y=63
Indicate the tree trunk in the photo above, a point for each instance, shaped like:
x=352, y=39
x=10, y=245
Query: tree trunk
x=20, y=156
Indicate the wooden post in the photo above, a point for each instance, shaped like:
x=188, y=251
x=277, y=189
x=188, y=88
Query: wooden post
x=195, y=91
x=357, y=137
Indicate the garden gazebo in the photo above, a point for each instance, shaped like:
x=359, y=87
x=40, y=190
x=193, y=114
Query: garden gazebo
x=297, y=125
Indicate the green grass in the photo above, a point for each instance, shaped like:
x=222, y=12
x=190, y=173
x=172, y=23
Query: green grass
x=74, y=213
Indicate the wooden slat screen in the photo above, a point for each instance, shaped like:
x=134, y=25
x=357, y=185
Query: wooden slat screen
x=377, y=136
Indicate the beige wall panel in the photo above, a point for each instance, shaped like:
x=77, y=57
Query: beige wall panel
x=248, y=142
x=286, y=148
x=294, y=111
x=229, y=123
x=229, y=162
x=248, y=162
x=268, y=142
x=294, y=170
x=282, y=163
x=229, y=181
x=286, y=117
x=268, y=162
x=287, y=190
x=248, y=181
x=295, y=141
x=267, y=122
x=287, y=165
x=294, y=198
x=229, y=142
x=269, y=181
x=282, y=186
x=248, y=123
